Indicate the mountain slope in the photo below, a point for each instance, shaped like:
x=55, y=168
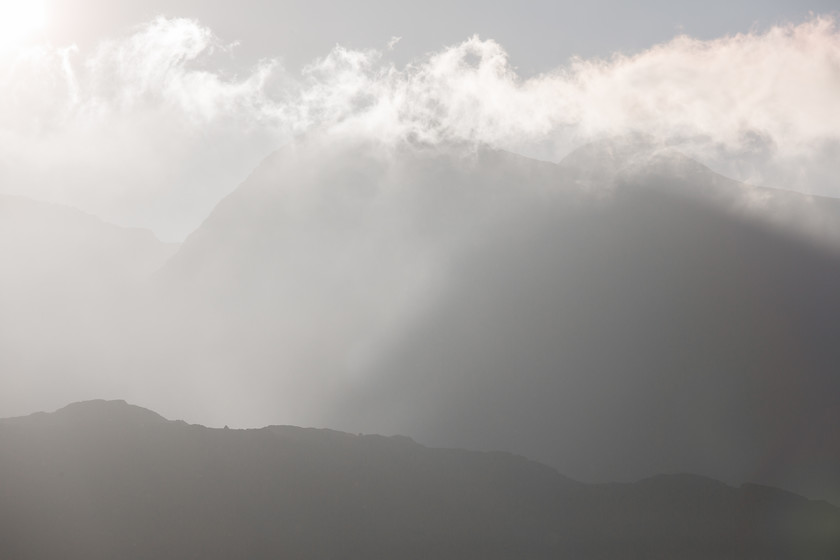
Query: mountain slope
x=106, y=479
x=307, y=270
x=617, y=315
x=658, y=329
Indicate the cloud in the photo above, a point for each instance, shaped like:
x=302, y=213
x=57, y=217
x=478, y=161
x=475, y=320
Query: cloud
x=776, y=92
x=146, y=122
x=158, y=65
x=168, y=114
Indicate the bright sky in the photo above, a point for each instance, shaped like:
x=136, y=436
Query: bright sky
x=20, y=21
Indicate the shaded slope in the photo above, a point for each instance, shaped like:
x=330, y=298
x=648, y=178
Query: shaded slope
x=655, y=329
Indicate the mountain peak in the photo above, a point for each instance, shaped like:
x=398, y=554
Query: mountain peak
x=615, y=158
x=100, y=410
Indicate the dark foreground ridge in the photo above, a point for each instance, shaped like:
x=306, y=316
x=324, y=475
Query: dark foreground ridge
x=105, y=479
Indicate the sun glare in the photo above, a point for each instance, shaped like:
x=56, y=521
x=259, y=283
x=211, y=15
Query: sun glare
x=19, y=20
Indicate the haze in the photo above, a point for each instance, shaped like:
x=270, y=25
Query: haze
x=604, y=237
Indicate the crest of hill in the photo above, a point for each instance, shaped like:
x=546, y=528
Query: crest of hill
x=145, y=487
x=93, y=413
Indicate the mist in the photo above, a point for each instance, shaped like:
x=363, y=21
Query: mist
x=620, y=266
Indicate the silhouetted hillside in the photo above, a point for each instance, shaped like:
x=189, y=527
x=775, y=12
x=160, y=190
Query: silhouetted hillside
x=110, y=480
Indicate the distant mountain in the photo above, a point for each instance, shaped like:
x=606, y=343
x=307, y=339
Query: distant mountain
x=623, y=313
x=323, y=254
x=106, y=479
x=66, y=277
x=49, y=247
x=618, y=163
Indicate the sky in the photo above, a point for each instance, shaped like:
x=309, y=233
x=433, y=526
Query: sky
x=147, y=114
x=539, y=35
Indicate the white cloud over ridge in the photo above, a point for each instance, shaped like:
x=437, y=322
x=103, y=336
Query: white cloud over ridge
x=160, y=116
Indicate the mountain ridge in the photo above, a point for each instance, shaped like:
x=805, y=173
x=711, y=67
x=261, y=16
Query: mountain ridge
x=176, y=490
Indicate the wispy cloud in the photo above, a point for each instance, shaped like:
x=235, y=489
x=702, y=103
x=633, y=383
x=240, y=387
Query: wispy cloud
x=778, y=90
x=146, y=109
